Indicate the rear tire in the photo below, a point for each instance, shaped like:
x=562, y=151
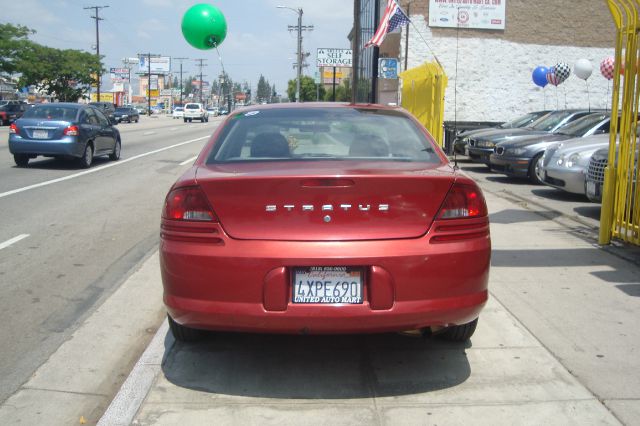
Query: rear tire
x=87, y=158
x=22, y=160
x=115, y=155
x=185, y=120
x=459, y=333
x=182, y=333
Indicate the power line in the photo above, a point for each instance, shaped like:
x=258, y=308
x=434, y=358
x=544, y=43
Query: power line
x=180, y=59
x=200, y=65
x=98, y=19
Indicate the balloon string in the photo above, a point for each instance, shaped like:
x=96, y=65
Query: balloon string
x=220, y=59
x=588, y=96
x=557, y=105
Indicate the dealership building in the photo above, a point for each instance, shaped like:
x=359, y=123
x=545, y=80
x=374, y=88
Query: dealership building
x=489, y=49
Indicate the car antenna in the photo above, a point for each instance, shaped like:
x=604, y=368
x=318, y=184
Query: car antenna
x=455, y=97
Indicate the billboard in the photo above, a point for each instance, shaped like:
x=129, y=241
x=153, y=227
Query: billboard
x=471, y=14
x=119, y=75
x=328, y=57
x=159, y=65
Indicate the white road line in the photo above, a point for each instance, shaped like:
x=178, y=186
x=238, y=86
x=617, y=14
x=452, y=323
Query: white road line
x=149, y=133
x=13, y=241
x=97, y=169
x=190, y=160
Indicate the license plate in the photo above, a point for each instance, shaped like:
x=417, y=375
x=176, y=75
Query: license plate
x=592, y=189
x=40, y=134
x=327, y=284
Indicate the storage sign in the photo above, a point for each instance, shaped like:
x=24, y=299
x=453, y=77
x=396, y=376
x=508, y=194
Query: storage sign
x=471, y=14
x=328, y=57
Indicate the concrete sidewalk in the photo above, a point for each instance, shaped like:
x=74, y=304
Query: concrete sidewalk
x=557, y=344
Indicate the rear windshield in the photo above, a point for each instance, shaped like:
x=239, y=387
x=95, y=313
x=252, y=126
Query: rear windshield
x=294, y=134
x=192, y=106
x=52, y=112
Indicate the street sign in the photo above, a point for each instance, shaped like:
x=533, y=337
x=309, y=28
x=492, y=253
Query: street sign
x=388, y=68
x=329, y=74
x=328, y=57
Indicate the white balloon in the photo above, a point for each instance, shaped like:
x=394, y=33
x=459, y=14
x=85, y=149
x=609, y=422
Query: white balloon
x=583, y=69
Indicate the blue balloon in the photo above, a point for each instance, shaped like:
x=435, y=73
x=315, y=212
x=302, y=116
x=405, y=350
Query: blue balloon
x=540, y=76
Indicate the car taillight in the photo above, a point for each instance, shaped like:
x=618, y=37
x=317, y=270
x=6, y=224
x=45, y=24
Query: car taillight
x=188, y=203
x=463, y=201
x=71, y=131
x=13, y=128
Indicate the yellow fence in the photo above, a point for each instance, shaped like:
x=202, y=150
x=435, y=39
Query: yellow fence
x=423, y=95
x=620, y=215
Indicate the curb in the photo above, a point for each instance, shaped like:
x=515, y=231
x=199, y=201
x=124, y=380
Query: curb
x=135, y=389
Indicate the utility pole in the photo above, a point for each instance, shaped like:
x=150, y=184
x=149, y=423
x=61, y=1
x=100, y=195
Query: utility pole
x=149, y=56
x=299, y=60
x=356, y=51
x=406, y=38
x=200, y=65
x=98, y=19
x=181, y=59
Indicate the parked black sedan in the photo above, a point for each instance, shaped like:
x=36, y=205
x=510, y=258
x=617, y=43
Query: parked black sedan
x=482, y=146
x=128, y=114
x=63, y=130
x=520, y=158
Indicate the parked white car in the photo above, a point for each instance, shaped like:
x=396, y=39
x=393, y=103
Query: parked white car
x=178, y=112
x=195, y=111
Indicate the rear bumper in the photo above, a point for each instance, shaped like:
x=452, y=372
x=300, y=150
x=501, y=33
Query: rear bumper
x=63, y=147
x=233, y=285
x=511, y=166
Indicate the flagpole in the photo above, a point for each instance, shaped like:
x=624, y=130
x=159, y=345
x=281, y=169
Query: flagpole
x=376, y=55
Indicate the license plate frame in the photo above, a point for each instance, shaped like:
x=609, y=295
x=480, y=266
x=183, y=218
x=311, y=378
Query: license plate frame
x=40, y=134
x=327, y=285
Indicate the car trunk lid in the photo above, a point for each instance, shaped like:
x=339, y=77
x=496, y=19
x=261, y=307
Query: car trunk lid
x=326, y=201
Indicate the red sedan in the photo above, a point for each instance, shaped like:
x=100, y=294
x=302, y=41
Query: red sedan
x=324, y=218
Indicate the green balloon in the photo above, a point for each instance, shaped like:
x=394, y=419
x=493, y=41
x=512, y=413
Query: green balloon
x=204, y=26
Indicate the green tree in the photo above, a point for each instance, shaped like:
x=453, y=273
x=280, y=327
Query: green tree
x=343, y=92
x=308, y=89
x=264, y=90
x=13, y=44
x=64, y=74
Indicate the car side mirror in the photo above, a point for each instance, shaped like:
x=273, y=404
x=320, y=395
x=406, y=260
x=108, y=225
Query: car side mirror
x=112, y=120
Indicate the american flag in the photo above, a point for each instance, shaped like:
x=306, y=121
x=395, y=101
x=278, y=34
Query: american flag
x=393, y=18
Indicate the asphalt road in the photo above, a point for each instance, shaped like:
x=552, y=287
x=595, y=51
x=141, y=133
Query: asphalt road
x=69, y=237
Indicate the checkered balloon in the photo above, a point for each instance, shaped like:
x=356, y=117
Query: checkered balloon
x=607, y=66
x=561, y=72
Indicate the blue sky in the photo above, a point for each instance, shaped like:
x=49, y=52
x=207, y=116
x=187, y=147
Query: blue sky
x=257, y=42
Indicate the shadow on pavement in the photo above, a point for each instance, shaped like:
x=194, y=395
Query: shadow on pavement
x=478, y=169
x=509, y=180
x=547, y=258
x=631, y=289
x=516, y=216
x=557, y=194
x=316, y=367
x=44, y=163
x=592, y=212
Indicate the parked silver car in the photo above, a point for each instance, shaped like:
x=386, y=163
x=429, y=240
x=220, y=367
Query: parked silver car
x=564, y=165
